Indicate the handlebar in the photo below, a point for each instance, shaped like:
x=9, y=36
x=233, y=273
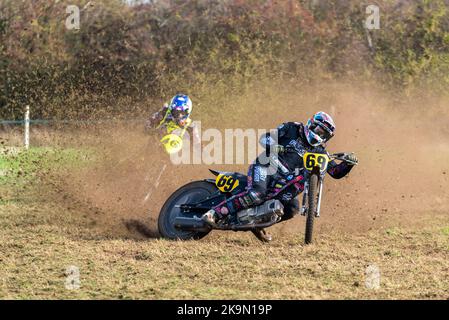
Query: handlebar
x=339, y=156
x=335, y=156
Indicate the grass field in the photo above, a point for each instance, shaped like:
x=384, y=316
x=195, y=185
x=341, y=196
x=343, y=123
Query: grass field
x=39, y=242
x=41, y=238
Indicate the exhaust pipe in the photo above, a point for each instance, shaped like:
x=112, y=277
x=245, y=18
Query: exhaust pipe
x=196, y=224
x=191, y=224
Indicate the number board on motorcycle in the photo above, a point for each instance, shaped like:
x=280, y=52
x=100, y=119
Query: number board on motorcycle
x=226, y=183
x=172, y=143
x=312, y=160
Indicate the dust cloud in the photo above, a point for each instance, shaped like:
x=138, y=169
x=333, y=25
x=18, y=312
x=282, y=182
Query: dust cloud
x=401, y=144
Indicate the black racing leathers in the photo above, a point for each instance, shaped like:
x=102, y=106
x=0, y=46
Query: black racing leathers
x=264, y=175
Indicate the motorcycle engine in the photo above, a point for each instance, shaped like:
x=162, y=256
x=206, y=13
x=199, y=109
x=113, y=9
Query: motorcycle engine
x=263, y=213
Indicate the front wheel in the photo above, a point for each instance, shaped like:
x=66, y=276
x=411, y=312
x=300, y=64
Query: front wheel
x=312, y=199
x=190, y=193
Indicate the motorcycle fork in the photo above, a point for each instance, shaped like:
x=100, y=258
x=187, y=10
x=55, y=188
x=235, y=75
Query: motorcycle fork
x=304, y=198
x=305, y=194
x=320, y=190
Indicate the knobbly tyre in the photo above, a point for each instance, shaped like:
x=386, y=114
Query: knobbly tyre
x=179, y=217
x=173, y=140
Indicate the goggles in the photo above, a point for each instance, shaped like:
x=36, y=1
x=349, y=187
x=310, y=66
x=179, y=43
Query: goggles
x=322, y=131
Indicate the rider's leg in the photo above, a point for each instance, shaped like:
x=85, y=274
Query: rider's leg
x=291, y=209
x=255, y=194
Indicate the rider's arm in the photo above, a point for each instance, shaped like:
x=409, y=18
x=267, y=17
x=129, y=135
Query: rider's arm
x=156, y=117
x=270, y=139
x=338, y=171
x=266, y=140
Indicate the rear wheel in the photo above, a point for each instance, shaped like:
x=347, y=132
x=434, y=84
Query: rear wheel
x=192, y=192
x=312, y=199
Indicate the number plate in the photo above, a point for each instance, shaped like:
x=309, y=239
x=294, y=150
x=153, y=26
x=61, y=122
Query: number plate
x=172, y=143
x=226, y=183
x=312, y=160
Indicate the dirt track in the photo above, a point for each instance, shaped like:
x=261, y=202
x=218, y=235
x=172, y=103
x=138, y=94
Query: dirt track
x=402, y=172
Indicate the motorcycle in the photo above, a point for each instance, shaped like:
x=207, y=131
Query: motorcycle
x=180, y=216
x=173, y=135
x=173, y=140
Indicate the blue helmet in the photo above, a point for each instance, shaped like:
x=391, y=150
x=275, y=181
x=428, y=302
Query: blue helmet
x=319, y=129
x=180, y=107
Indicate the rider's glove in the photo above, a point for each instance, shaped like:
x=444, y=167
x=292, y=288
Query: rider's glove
x=351, y=159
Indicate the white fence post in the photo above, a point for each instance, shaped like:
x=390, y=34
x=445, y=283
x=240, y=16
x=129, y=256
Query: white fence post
x=27, y=128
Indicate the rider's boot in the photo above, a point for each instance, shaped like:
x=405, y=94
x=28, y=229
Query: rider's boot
x=210, y=217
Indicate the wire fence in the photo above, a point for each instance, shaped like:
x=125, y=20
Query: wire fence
x=18, y=132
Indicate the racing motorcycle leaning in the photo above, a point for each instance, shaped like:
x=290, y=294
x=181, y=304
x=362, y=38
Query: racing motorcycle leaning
x=179, y=217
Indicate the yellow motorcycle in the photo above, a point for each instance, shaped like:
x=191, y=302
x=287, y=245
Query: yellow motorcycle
x=172, y=141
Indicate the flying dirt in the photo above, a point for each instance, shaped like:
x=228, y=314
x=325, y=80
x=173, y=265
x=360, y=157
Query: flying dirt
x=402, y=171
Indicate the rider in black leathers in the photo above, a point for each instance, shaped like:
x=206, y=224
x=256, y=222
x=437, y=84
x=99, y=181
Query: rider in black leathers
x=263, y=174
